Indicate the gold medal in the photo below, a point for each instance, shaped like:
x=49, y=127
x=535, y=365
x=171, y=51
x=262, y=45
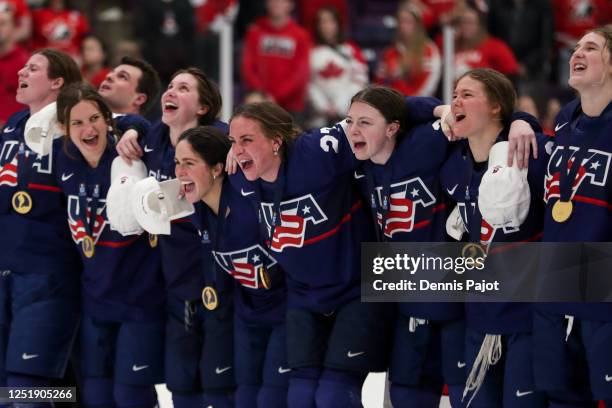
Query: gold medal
x=562, y=210
x=152, y=240
x=473, y=250
x=88, y=246
x=22, y=202
x=209, y=298
x=264, y=278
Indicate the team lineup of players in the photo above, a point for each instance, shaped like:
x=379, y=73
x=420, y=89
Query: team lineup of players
x=253, y=299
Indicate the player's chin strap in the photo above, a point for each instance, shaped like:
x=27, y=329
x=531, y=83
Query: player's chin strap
x=570, y=326
x=489, y=354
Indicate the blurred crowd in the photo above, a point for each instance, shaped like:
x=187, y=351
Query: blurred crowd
x=310, y=56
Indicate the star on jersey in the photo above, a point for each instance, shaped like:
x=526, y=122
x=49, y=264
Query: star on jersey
x=237, y=264
x=405, y=197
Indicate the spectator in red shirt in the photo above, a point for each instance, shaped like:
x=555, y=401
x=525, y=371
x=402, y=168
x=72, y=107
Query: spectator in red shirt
x=21, y=16
x=475, y=48
x=58, y=25
x=12, y=59
x=413, y=64
x=94, y=60
x=573, y=18
x=275, y=57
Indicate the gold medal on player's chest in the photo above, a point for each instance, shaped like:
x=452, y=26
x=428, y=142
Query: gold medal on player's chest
x=210, y=298
x=22, y=202
x=88, y=246
x=562, y=210
x=473, y=250
x=153, y=240
x=264, y=278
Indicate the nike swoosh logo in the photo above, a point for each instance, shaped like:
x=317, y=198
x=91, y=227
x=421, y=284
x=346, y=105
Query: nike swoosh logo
x=222, y=370
x=147, y=149
x=608, y=378
x=559, y=127
x=520, y=394
x=9, y=129
x=460, y=364
x=358, y=176
x=451, y=191
x=351, y=355
x=282, y=370
x=246, y=193
x=66, y=176
x=138, y=368
x=27, y=356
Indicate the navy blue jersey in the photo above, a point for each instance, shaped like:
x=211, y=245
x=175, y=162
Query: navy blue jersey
x=322, y=220
x=181, y=254
x=416, y=208
x=239, y=250
x=461, y=178
x=591, y=193
x=122, y=280
x=37, y=241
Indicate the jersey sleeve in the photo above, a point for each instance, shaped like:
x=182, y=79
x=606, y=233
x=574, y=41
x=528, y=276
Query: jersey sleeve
x=136, y=122
x=327, y=150
x=419, y=109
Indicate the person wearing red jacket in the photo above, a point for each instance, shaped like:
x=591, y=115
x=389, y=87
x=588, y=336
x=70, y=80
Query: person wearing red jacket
x=12, y=59
x=275, y=57
x=412, y=65
x=475, y=48
x=58, y=25
x=22, y=17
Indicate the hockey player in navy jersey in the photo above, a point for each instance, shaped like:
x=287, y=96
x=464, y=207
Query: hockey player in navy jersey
x=400, y=177
x=230, y=222
x=122, y=330
x=314, y=221
x=573, y=340
x=40, y=266
x=498, y=335
x=191, y=99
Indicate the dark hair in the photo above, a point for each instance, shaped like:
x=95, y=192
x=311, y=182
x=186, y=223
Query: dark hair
x=210, y=143
x=318, y=36
x=71, y=96
x=61, y=65
x=275, y=122
x=389, y=102
x=148, y=83
x=208, y=92
x=498, y=88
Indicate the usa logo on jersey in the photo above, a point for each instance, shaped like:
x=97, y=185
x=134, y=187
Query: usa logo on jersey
x=8, y=168
x=9, y=163
x=295, y=215
x=594, y=167
x=487, y=231
x=75, y=222
x=244, y=265
x=404, y=198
